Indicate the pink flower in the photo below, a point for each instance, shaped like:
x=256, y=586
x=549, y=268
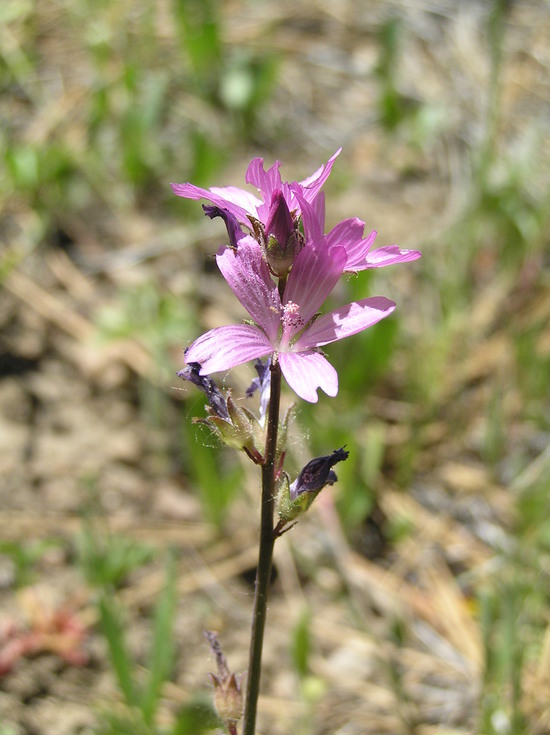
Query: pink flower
x=304, y=200
x=243, y=205
x=287, y=240
x=285, y=328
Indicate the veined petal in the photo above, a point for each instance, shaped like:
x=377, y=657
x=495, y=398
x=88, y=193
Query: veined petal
x=313, y=215
x=349, y=235
x=319, y=209
x=307, y=371
x=264, y=181
x=387, y=255
x=239, y=197
x=313, y=183
x=237, y=201
x=224, y=347
x=313, y=276
x=247, y=273
x=344, y=322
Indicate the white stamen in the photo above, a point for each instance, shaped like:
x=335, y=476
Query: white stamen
x=291, y=316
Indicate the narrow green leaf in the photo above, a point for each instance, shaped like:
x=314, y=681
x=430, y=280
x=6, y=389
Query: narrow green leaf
x=162, y=647
x=301, y=644
x=113, y=631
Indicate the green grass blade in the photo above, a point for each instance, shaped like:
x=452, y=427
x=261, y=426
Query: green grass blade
x=162, y=647
x=113, y=631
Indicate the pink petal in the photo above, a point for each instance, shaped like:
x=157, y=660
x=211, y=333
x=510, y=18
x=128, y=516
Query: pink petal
x=237, y=201
x=319, y=207
x=387, y=255
x=344, y=322
x=247, y=273
x=239, y=197
x=305, y=372
x=313, y=215
x=265, y=181
x=349, y=235
x=313, y=276
x=313, y=183
x=224, y=347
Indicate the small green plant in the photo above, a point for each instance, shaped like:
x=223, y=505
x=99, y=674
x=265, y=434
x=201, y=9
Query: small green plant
x=141, y=689
x=107, y=559
x=25, y=555
x=142, y=696
x=501, y=612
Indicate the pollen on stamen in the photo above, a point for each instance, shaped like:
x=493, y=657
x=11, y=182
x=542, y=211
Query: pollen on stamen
x=291, y=315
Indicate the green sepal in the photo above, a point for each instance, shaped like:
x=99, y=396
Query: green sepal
x=287, y=508
x=242, y=431
x=247, y=423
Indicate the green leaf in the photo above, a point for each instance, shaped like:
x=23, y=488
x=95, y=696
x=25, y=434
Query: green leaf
x=301, y=644
x=113, y=630
x=162, y=647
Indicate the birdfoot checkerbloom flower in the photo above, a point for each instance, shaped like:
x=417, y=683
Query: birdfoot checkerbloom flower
x=282, y=267
x=285, y=328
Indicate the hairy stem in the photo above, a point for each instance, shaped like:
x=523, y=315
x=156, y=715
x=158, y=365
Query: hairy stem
x=263, y=572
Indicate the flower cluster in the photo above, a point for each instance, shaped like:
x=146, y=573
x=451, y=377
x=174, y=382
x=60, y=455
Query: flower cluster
x=282, y=267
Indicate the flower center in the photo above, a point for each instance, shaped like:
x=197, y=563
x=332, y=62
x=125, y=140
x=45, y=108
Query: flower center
x=291, y=322
x=291, y=318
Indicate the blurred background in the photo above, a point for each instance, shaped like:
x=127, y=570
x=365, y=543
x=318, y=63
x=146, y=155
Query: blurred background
x=415, y=596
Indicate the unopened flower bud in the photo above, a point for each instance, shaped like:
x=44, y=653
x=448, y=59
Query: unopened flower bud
x=317, y=473
x=293, y=500
x=279, y=224
x=282, y=240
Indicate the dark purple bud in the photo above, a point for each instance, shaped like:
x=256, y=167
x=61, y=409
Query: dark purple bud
x=208, y=386
x=279, y=224
x=281, y=239
x=317, y=473
x=234, y=230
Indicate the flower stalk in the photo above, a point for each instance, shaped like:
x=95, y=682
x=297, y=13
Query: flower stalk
x=265, y=555
x=282, y=266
